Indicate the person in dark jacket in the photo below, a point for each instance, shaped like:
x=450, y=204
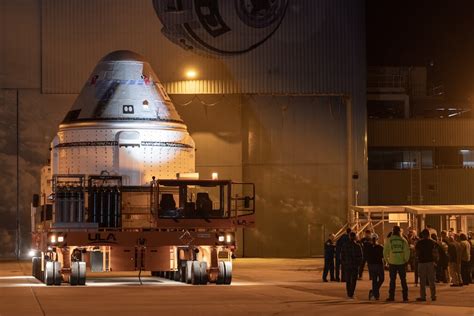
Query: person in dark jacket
x=441, y=262
x=457, y=244
x=472, y=256
x=426, y=264
x=351, y=257
x=453, y=263
x=376, y=268
x=365, y=242
x=329, y=251
x=465, y=259
x=339, y=244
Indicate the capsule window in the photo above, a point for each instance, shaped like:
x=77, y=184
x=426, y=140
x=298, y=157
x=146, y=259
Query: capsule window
x=128, y=109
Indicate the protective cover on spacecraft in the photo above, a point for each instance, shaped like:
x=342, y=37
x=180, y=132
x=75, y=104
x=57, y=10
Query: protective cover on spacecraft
x=124, y=123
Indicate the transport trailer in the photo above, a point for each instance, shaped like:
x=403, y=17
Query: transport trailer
x=180, y=229
x=102, y=209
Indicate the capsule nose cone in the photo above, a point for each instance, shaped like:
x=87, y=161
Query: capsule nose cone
x=122, y=87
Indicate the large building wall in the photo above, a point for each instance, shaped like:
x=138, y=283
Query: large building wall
x=49, y=47
x=438, y=186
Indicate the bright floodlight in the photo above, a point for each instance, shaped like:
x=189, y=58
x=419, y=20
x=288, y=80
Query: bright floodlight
x=31, y=253
x=215, y=176
x=191, y=74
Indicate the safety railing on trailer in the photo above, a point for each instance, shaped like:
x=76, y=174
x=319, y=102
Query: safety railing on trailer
x=243, y=200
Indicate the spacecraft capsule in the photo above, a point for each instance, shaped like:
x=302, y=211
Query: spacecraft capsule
x=124, y=123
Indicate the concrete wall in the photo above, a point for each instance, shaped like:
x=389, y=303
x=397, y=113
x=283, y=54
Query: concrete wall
x=295, y=150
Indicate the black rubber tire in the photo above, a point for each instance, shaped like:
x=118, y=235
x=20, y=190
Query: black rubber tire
x=195, y=272
x=36, y=267
x=49, y=273
x=183, y=274
x=225, y=273
x=74, y=277
x=228, y=272
x=57, y=273
x=177, y=276
x=204, y=277
x=189, y=272
x=82, y=273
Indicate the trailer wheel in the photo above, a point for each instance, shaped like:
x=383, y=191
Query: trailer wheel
x=196, y=272
x=78, y=273
x=228, y=272
x=225, y=272
x=36, y=267
x=204, y=277
x=182, y=274
x=52, y=274
x=189, y=268
x=48, y=273
x=177, y=276
x=74, y=276
x=57, y=273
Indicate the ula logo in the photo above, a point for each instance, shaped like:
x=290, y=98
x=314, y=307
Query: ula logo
x=99, y=238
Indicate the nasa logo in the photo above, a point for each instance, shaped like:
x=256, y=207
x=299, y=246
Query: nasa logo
x=97, y=238
x=220, y=27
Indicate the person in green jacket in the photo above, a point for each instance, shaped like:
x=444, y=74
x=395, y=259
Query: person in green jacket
x=396, y=252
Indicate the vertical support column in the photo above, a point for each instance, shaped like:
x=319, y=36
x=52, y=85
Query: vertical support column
x=464, y=223
x=422, y=221
x=18, y=237
x=348, y=102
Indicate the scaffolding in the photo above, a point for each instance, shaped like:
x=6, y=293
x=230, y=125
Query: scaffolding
x=380, y=219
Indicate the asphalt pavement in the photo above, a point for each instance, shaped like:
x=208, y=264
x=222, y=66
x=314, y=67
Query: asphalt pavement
x=259, y=287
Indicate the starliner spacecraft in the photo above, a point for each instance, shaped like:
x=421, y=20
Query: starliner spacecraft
x=121, y=192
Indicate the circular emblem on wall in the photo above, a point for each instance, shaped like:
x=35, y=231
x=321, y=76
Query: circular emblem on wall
x=220, y=27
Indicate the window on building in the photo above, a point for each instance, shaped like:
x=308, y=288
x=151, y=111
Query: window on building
x=467, y=157
x=399, y=158
x=426, y=158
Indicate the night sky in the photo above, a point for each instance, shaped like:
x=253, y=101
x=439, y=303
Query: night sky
x=416, y=32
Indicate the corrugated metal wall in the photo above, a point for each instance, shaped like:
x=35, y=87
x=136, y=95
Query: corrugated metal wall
x=20, y=53
x=319, y=48
x=438, y=186
x=421, y=132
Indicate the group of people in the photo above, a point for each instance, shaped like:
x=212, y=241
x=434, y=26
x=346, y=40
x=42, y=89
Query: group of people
x=453, y=256
x=449, y=257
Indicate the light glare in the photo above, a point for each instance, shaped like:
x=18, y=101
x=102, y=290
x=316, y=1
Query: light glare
x=191, y=74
